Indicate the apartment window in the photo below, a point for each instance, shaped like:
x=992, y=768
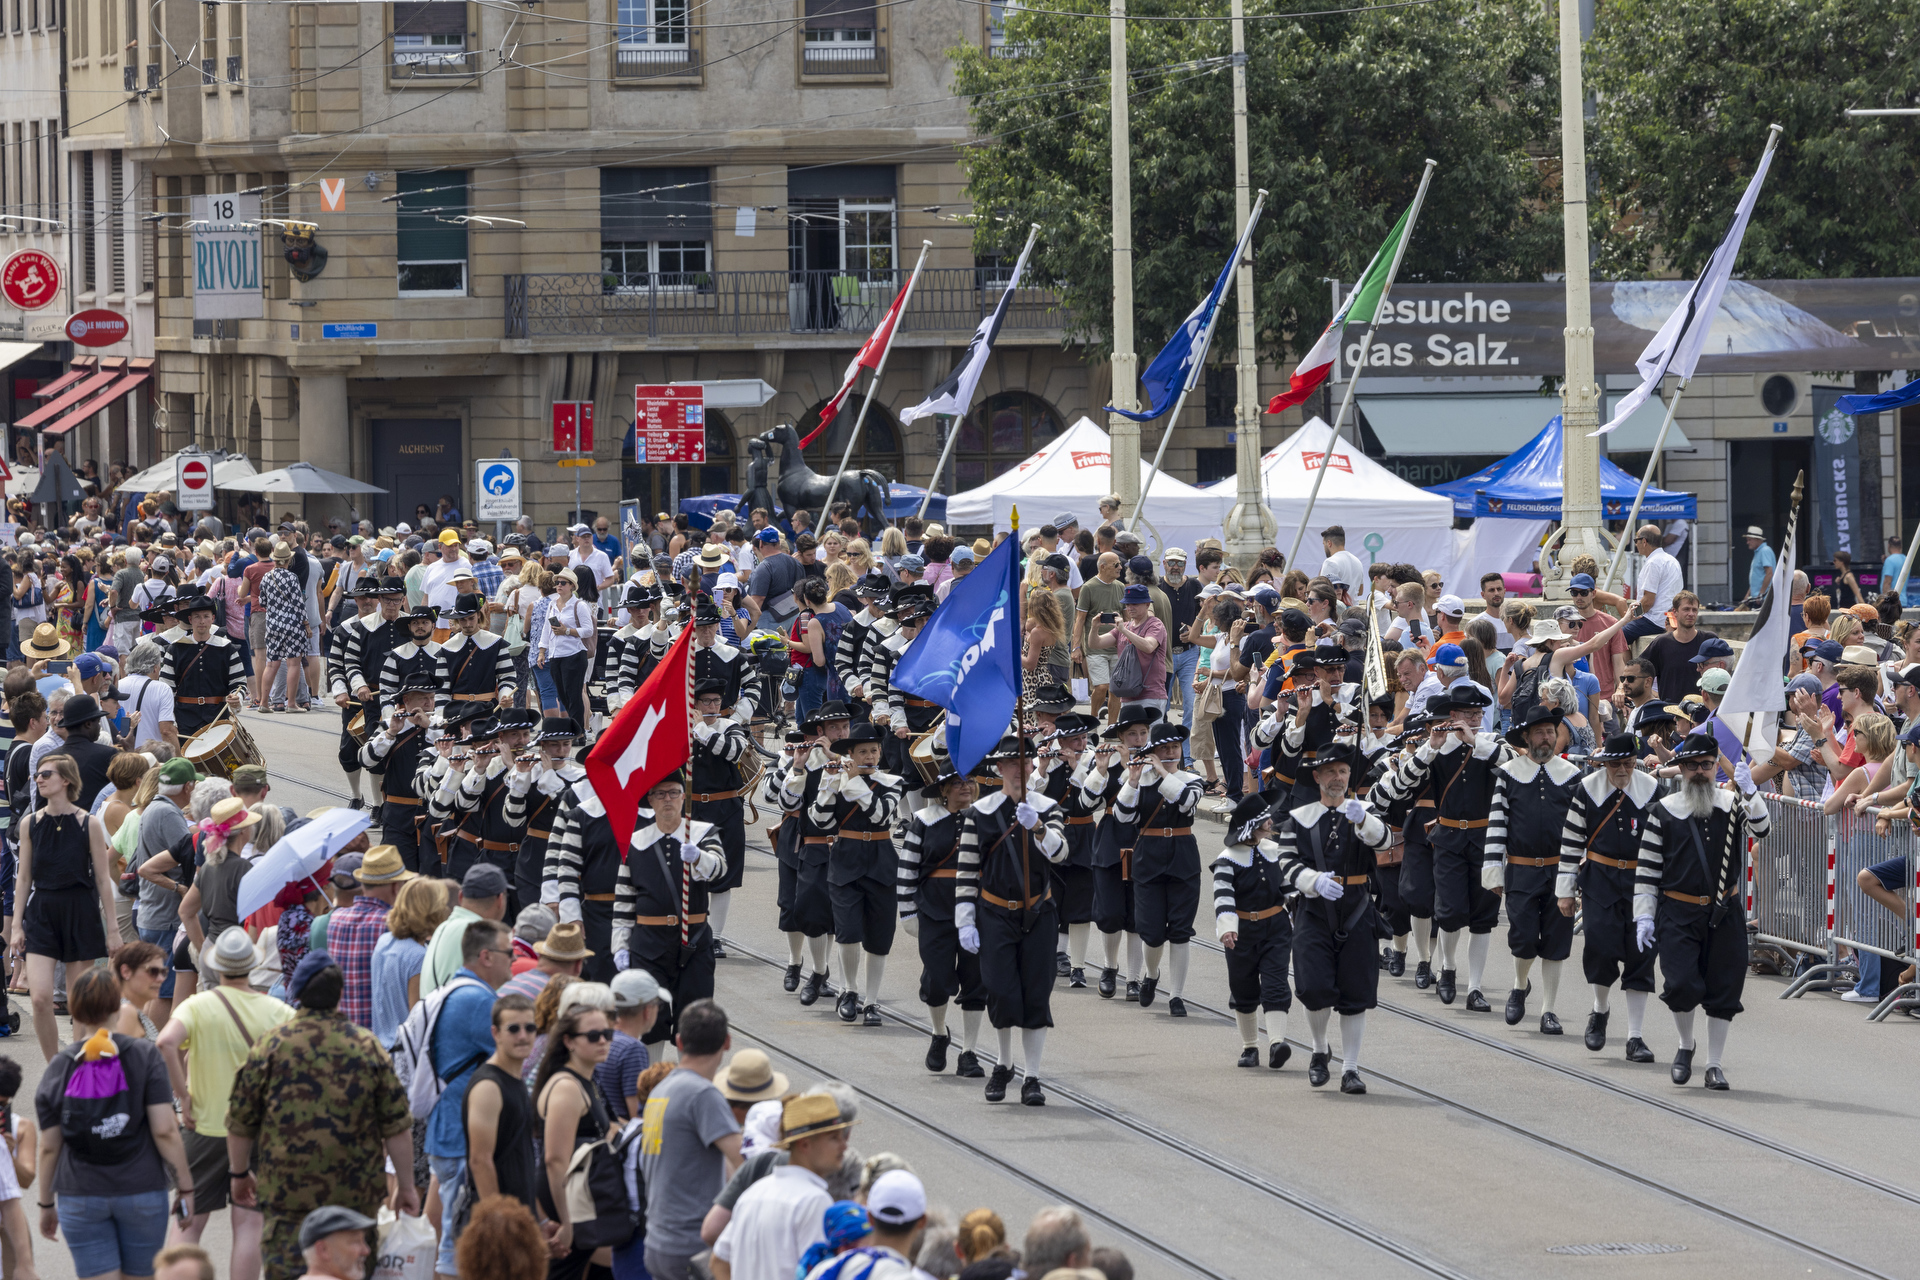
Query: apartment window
x=432, y=241
x=1001, y=434
x=656, y=229
x=114, y=221
x=998, y=46
x=89, y=222
x=430, y=38
x=109, y=34
x=236, y=42
x=654, y=39
x=842, y=37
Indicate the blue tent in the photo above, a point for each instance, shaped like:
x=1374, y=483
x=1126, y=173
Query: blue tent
x=1525, y=485
x=903, y=500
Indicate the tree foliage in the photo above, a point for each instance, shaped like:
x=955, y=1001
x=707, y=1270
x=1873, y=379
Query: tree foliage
x=1686, y=90
x=1342, y=111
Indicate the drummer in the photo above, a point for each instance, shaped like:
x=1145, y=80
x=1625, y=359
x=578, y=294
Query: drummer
x=397, y=754
x=479, y=668
x=203, y=669
x=533, y=871
x=416, y=656
x=338, y=640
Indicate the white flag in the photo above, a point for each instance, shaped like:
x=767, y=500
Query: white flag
x=1676, y=348
x=954, y=396
x=1758, y=687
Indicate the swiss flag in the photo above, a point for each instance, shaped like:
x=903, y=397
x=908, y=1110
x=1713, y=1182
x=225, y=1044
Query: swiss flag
x=647, y=741
x=868, y=358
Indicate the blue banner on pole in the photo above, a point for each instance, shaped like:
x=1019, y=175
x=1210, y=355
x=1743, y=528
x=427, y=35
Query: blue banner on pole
x=968, y=655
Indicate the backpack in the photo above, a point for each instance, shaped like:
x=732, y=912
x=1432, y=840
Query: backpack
x=1526, y=691
x=602, y=1213
x=1129, y=679
x=413, y=1050
x=98, y=1121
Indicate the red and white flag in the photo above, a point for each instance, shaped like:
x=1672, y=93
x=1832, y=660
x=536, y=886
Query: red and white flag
x=648, y=740
x=869, y=358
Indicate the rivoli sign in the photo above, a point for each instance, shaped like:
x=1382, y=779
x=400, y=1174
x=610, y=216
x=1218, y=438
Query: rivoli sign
x=226, y=258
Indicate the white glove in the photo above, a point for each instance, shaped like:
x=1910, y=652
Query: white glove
x=1028, y=815
x=1326, y=886
x=969, y=939
x=1643, y=932
x=702, y=731
x=1354, y=811
x=912, y=926
x=620, y=959
x=743, y=713
x=1743, y=779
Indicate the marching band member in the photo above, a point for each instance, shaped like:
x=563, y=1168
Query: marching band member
x=1061, y=776
x=203, y=669
x=717, y=796
x=1416, y=854
x=1455, y=768
x=350, y=631
x=1319, y=711
x=552, y=776
x=1326, y=852
x=1250, y=899
x=660, y=911
x=1113, y=892
x=354, y=659
x=715, y=659
x=479, y=668
x=1159, y=805
x=858, y=802
x=1528, y=814
x=1004, y=912
x=1599, y=849
x=585, y=874
x=812, y=903
x=1374, y=767
x=901, y=715
x=929, y=875
x=785, y=839
x=849, y=655
x=416, y=656
x=495, y=820
x=627, y=648
x=397, y=754
x=1686, y=897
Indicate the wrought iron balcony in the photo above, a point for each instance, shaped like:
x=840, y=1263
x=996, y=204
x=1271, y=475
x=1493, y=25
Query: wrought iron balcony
x=130, y=78
x=603, y=304
x=655, y=62
x=207, y=66
x=843, y=58
x=233, y=69
x=433, y=62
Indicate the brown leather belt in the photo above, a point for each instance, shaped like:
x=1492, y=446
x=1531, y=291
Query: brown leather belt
x=1010, y=905
x=1352, y=879
x=669, y=921
x=1084, y=821
x=865, y=835
x=1695, y=900
x=544, y=835
x=1167, y=832
x=1458, y=824
x=200, y=702
x=1613, y=862
x=473, y=697
x=404, y=800
x=1261, y=914
x=918, y=702
x=500, y=846
x=1533, y=862
x=816, y=839
x=1280, y=777
x=945, y=873
x=1423, y=804
x=597, y=897
x=708, y=797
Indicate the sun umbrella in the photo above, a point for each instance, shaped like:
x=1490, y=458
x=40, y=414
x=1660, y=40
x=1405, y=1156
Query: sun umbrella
x=301, y=477
x=299, y=854
x=226, y=466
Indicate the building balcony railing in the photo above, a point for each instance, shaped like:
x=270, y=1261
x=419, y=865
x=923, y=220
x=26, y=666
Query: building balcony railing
x=601, y=304
x=655, y=62
x=432, y=62
x=838, y=58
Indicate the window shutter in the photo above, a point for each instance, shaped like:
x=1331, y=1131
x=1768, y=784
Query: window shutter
x=655, y=204
x=428, y=202
x=430, y=18
x=834, y=15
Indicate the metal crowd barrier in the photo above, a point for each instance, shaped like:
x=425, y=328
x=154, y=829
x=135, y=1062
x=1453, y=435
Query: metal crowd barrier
x=1804, y=893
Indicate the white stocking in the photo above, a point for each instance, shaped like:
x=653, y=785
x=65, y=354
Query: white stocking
x=1110, y=948
x=1636, y=1011
x=1077, y=943
x=1248, y=1026
x=937, y=1014
x=970, y=1020
x=1154, y=955
x=1522, y=970
x=1602, y=997
x=1449, y=947
x=1134, y=946
x=1478, y=944
x=1423, y=940
x=1352, y=1027
x=717, y=904
x=1032, y=1044
x=1177, y=967
x=1006, y=1045
x=1683, y=1023
x=818, y=948
x=850, y=965
x=1717, y=1029
x=796, y=947
x=1276, y=1026
x=876, y=970
x=1550, y=979
x=1317, y=1020
x=1400, y=943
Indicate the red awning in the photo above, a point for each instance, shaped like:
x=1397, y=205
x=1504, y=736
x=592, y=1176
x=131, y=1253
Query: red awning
x=72, y=396
x=82, y=367
x=119, y=387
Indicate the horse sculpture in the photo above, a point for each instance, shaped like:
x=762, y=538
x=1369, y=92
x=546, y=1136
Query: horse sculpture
x=801, y=488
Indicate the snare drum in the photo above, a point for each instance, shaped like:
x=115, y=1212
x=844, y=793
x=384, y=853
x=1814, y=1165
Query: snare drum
x=215, y=750
x=357, y=727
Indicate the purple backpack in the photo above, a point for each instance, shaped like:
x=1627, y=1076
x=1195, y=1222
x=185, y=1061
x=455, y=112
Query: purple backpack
x=98, y=1121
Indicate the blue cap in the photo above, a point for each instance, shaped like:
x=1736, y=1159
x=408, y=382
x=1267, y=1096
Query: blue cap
x=961, y=555
x=1825, y=650
x=1138, y=594
x=1912, y=736
x=89, y=665
x=1449, y=655
x=312, y=963
x=768, y=534
x=846, y=1223
x=1581, y=582
x=1712, y=647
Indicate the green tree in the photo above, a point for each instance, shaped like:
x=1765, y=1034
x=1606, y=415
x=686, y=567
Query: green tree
x=1343, y=110
x=1686, y=90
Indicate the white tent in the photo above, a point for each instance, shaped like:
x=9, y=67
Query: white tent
x=1073, y=473
x=1385, y=517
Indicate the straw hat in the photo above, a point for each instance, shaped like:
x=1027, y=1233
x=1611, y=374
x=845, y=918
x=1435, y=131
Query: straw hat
x=382, y=865
x=712, y=556
x=750, y=1077
x=808, y=1115
x=232, y=953
x=46, y=643
x=565, y=942
x=233, y=810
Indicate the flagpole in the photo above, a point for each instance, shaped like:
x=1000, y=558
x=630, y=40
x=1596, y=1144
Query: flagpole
x=1366, y=341
x=1019, y=629
x=1633, y=513
x=1198, y=364
x=873, y=385
x=946, y=450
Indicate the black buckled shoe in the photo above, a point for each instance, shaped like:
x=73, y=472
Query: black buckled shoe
x=1317, y=1069
x=1109, y=979
x=870, y=1016
x=1596, y=1031
x=1350, y=1082
x=968, y=1067
x=1249, y=1057
x=357, y=803
x=1133, y=991
x=1516, y=1003
x=1076, y=977
x=1422, y=975
x=849, y=1005
x=1550, y=1024
x=1682, y=1066
x=815, y=988
x=1477, y=1003
x=719, y=950
x=1031, y=1094
x=1061, y=964
x=997, y=1083
x=1176, y=1007
x=1277, y=1054
x=792, y=981
x=1444, y=988
x=1717, y=1080
x=937, y=1053
x=1145, y=994
x=1637, y=1050
x=1396, y=964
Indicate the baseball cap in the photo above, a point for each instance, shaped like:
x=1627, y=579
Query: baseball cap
x=1058, y=563
x=1912, y=735
x=1825, y=650
x=483, y=880
x=896, y=1198
x=479, y=547
x=910, y=564
x=1174, y=553
x=767, y=535
x=449, y=537
x=636, y=988
x=1714, y=681
x=402, y=529
x=1451, y=606
x=1907, y=675
x=1449, y=655
x=577, y=529
x=1066, y=518
x=1712, y=647
x=344, y=867
x=961, y=555
x=1140, y=564
x=1581, y=582
x=89, y=665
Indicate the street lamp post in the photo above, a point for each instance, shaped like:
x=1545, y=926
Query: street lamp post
x=1124, y=431
x=1250, y=526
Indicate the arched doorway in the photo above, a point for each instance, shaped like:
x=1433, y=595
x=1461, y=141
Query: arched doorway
x=1000, y=434
x=878, y=448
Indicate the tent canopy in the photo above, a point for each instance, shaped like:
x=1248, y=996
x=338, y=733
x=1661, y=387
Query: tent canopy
x=1526, y=486
x=1073, y=473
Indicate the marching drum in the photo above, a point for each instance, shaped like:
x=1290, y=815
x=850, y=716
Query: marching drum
x=216, y=751
x=921, y=753
x=357, y=727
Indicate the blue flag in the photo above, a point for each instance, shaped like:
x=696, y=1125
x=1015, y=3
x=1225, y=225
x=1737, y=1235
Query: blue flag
x=1885, y=402
x=1173, y=368
x=968, y=654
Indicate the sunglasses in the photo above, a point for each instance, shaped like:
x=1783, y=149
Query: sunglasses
x=519, y=1028
x=155, y=970
x=1576, y=593
x=45, y=774
x=592, y=1037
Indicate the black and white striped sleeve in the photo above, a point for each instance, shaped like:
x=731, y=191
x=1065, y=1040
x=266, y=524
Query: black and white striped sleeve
x=550, y=861
x=1296, y=867
x=876, y=797
x=966, y=861
x=1652, y=862
x=566, y=856
x=1225, y=920
x=907, y=883
x=1573, y=845
x=504, y=679
x=1494, y=853
x=344, y=656
x=1406, y=777
x=626, y=904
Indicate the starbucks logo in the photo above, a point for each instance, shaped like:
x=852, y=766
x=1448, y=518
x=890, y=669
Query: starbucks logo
x=1836, y=428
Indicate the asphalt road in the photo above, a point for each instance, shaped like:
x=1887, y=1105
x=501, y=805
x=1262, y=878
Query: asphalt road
x=1480, y=1150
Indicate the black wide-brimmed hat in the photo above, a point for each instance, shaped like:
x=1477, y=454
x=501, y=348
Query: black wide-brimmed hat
x=422, y=613
x=467, y=604
x=1655, y=713
x=718, y=688
x=863, y=732
x=1009, y=748
x=1073, y=725
x=517, y=718
x=79, y=709
x=1538, y=713
x=1332, y=753
x=1249, y=813
x=561, y=729
x=1694, y=746
x=1166, y=731
x=419, y=684
x=706, y=613
x=874, y=586
x=1138, y=713
x=1462, y=696
x=833, y=709
x=1328, y=653
x=384, y=586
x=186, y=605
x=1621, y=746
x=1053, y=699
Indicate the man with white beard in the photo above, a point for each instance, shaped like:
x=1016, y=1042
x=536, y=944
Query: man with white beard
x=1686, y=899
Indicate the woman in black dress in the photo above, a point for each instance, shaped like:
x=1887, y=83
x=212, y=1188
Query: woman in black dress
x=67, y=889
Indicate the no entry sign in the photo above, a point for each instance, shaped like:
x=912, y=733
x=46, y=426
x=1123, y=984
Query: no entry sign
x=670, y=424
x=193, y=477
